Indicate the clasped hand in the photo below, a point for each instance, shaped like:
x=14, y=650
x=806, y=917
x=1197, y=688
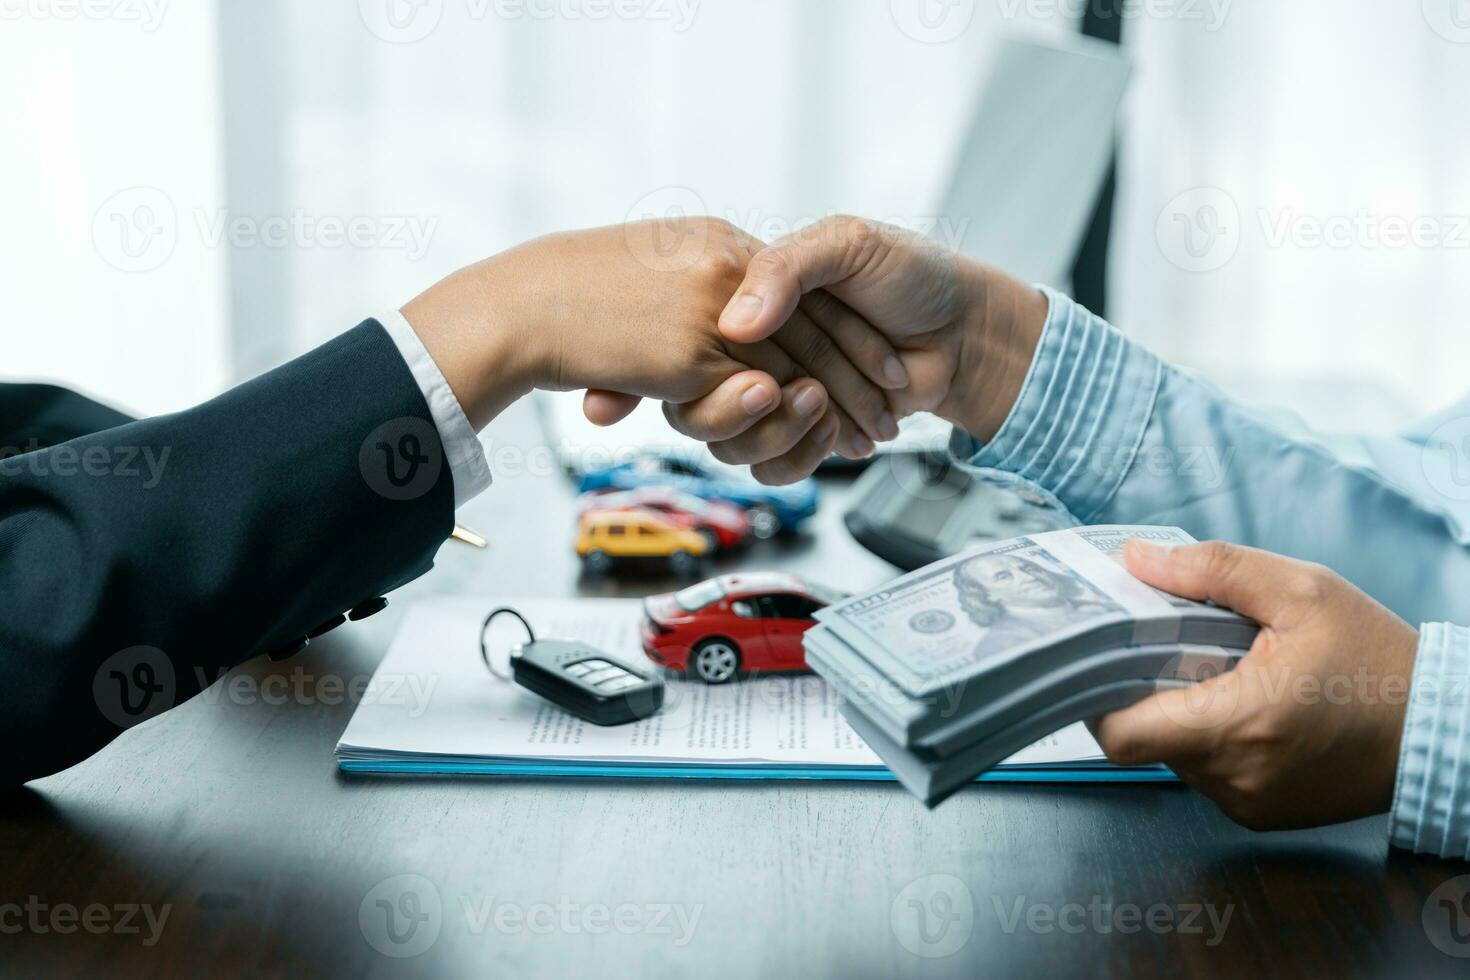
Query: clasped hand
x=776, y=356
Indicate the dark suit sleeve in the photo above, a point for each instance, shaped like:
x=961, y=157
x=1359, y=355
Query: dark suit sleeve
x=34, y=416
x=138, y=562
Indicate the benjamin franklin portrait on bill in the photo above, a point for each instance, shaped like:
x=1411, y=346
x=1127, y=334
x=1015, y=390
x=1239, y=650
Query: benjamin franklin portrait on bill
x=1017, y=598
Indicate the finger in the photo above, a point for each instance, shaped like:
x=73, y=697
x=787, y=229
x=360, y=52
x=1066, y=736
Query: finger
x=824, y=254
x=1254, y=583
x=607, y=407
x=855, y=396
x=1176, y=725
x=860, y=342
x=803, y=403
x=734, y=406
x=802, y=459
x=769, y=356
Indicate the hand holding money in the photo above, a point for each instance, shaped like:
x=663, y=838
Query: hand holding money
x=952, y=668
x=1306, y=729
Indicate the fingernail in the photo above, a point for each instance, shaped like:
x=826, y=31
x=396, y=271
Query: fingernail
x=808, y=401
x=893, y=370
x=824, y=430
x=887, y=426
x=743, y=309
x=862, y=446
x=757, y=398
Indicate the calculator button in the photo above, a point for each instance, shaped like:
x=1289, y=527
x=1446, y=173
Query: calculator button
x=615, y=684
x=607, y=673
x=578, y=669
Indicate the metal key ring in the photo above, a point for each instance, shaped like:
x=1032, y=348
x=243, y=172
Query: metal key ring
x=485, y=625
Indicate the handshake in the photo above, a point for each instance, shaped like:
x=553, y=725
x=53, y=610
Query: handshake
x=775, y=355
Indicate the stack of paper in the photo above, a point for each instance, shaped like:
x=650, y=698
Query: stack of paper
x=432, y=707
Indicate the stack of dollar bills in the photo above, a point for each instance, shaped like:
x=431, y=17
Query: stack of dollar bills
x=956, y=666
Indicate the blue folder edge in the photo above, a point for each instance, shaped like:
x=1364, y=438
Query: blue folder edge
x=1059, y=774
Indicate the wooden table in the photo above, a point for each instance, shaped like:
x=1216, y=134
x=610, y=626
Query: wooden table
x=229, y=814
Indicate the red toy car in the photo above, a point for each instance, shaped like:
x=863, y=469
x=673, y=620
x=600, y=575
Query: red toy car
x=744, y=622
x=724, y=525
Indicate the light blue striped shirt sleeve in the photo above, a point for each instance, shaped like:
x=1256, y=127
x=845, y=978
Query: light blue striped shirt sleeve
x=1108, y=433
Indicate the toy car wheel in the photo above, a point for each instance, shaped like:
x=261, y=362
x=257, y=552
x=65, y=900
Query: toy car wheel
x=710, y=538
x=715, y=661
x=764, y=523
x=597, y=562
x=683, y=564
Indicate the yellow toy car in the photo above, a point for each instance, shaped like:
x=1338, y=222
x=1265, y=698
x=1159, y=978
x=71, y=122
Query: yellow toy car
x=605, y=537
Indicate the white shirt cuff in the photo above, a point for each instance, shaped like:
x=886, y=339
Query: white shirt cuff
x=461, y=446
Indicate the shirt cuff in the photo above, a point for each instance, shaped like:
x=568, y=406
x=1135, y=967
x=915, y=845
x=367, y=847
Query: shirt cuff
x=1075, y=430
x=1431, y=801
x=461, y=446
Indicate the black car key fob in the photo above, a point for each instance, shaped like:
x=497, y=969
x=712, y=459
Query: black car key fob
x=587, y=682
x=578, y=678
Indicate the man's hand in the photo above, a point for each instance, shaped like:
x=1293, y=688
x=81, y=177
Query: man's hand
x=630, y=311
x=964, y=333
x=1305, y=730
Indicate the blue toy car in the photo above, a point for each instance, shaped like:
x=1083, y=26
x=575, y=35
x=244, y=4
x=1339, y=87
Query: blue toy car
x=771, y=510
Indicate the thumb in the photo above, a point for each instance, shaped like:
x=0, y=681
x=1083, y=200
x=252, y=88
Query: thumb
x=829, y=252
x=1254, y=583
x=607, y=407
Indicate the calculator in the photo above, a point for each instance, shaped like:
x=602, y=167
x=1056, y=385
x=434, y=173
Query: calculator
x=589, y=683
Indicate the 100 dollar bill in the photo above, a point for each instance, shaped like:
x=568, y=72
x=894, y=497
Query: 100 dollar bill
x=949, y=620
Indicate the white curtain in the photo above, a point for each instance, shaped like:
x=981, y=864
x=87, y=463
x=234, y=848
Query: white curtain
x=328, y=160
x=506, y=121
x=109, y=154
x=1323, y=133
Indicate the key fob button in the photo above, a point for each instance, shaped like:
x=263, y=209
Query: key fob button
x=606, y=673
